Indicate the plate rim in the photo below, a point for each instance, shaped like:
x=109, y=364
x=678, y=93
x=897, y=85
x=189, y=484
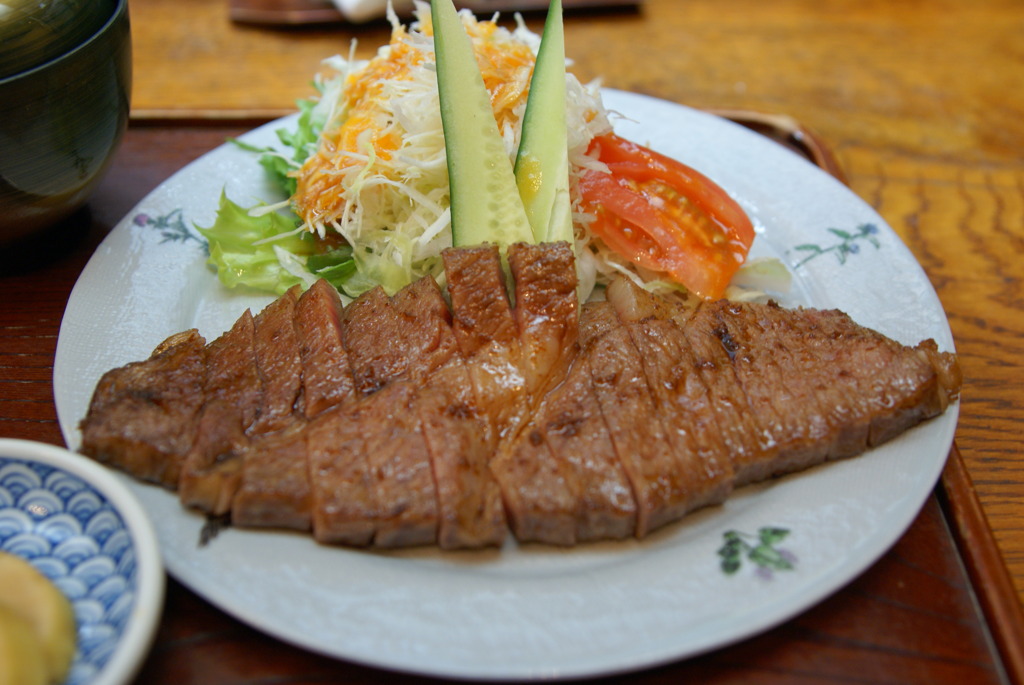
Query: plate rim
x=820, y=590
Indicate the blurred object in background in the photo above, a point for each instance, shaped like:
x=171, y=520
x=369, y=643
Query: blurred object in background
x=32, y=32
x=62, y=112
x=297, y=12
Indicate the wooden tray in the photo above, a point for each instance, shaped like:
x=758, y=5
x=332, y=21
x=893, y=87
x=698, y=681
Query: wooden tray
x=937, y=608
x=968, y=526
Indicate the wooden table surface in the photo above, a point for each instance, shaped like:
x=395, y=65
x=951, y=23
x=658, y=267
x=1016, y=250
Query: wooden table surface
x=922, y=105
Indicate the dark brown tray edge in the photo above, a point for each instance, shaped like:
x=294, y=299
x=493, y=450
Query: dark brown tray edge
x=989, y=576
x=203, y=118
x=781, y=128
x=990, y=579
x=786, y=130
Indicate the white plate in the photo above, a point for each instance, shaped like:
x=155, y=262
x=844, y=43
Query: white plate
x=528, y=612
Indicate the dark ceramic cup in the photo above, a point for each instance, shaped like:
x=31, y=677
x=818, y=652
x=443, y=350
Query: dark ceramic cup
x=60, y=123
x=33, y=32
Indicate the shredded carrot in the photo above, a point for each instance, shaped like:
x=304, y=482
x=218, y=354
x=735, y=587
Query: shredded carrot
x=368, y=129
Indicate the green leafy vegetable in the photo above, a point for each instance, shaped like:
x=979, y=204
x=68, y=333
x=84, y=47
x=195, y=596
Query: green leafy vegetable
x=762, y=552
x=337, y=266
x=255, y=249
x=302, y=141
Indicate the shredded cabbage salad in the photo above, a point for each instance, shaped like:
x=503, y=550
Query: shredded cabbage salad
x=365, y=169
x=365, y=174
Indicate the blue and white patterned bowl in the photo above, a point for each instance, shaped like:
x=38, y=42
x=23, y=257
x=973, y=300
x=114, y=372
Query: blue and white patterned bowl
x=81, y=527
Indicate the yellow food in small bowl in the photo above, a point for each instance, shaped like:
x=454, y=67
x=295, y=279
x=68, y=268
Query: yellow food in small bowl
x=37, y=626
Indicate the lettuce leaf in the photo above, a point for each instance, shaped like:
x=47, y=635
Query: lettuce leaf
x=337, y=266
x=302, y=141
x=244, y=250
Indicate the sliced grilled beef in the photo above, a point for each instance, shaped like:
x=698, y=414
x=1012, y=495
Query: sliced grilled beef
x=513, y=356
x=212, y=468
x=770, y=400
x=428, y=340
x=371, y=333
x=326, y=374
x=470, y=509
x=539, y=491
x=869, y=388
x=736, y=424
x=405, y=337
x=344, y=506
x=279, y=363
x=142, y=416
x=546, y=311
x=487, y=335
x=542, y=491
x=401, y=469
x=397, y=422
x=371, y=474
x=667, y=482
x=681, y=399
x=454, y=428
x=304, y=370
x=569, y=433
x=275, y=488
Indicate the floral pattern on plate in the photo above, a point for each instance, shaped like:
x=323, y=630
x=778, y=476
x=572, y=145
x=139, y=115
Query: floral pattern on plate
x=528, y=612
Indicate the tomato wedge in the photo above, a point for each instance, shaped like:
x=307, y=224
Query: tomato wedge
x=664, y=216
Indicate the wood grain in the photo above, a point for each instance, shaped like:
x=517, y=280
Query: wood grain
x=969, y=528
x=916, y=592
x=922, y=104
x=913, y=617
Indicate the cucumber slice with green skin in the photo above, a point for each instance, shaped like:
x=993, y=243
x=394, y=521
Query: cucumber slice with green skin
x=484, y=199
x=542, y=164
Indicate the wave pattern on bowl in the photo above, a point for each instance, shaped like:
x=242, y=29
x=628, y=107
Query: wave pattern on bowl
x=73, y=536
